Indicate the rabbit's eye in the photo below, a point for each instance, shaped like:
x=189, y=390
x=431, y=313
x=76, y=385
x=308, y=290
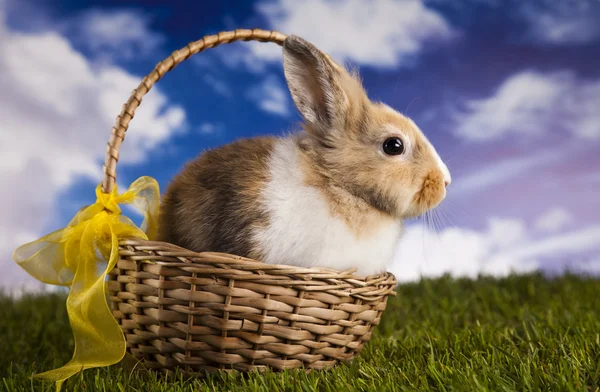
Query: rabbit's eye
x=393, y=146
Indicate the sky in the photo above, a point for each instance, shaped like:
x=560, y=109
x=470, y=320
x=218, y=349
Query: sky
x=507, y=91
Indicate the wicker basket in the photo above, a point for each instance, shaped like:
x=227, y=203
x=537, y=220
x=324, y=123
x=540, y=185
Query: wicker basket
x=213, y=311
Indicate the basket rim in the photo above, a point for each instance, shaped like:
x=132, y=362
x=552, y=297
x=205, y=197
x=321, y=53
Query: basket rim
x=191, y=257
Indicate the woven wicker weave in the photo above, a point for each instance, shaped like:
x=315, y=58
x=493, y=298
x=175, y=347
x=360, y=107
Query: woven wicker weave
x=213, y=311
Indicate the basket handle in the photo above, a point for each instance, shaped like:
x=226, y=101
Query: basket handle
x=122, y=122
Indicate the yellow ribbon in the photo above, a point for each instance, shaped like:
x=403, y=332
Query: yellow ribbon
x=80, y=256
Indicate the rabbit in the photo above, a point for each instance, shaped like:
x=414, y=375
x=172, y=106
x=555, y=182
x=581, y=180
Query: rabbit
x=333, y=195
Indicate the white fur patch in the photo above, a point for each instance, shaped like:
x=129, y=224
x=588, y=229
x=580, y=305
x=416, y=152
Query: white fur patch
x=442, y=166
x=301, y=230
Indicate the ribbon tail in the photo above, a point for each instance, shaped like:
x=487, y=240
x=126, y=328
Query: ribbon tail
x=99, y=341
x=44, y=259
x=147, y=200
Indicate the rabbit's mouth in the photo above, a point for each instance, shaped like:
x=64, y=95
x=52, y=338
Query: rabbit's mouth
x=431, y=194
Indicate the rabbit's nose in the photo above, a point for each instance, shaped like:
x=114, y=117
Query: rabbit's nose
x=446, y=183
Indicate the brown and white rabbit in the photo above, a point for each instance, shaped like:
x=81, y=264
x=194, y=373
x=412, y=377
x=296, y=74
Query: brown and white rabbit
x=332, y=195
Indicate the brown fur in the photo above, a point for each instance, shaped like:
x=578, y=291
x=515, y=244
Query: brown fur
x=362, y=217
x=350, y=163
x=213, y=204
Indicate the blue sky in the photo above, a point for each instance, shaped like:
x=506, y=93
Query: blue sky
x=507, y=91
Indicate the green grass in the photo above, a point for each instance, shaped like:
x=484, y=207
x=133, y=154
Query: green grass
x=522, y=333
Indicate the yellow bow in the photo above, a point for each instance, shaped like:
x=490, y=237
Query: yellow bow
x=81, y=255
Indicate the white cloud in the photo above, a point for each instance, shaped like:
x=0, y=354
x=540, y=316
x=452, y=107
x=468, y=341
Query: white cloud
x=218, y=86
x=271, y=96
x=502, y=171
x=209, y=128
x=503, y=233
x=567, y=244
x=384, y=33
x=587, y=266
x=465, y=3
x=459, y=252
x=530, y=104
x=57, y=111
x=562, y=23
x=553, y=220
x=244, y=54
x=514, y=108
x=504, y=247
x=122, y=33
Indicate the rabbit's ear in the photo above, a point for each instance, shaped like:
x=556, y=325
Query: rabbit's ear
x=316, y=84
